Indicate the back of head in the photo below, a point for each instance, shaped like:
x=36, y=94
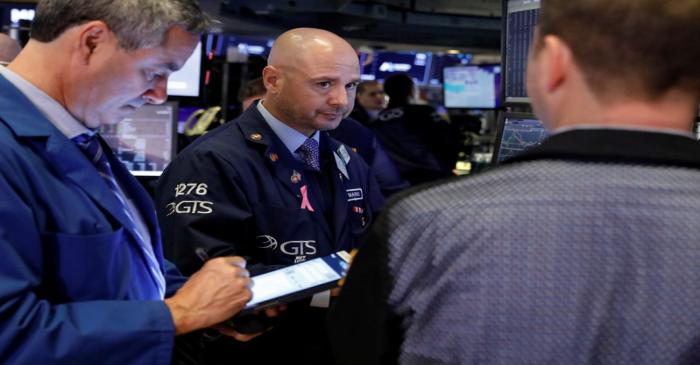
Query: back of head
x=252, y=88
x=642, y=48
x=136, y=23
x=399, y=88
x=9, y=48
x=250, y=91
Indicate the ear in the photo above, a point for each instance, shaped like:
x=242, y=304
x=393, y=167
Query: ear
x=94, y=36
x=272, y=78
x=557, y=63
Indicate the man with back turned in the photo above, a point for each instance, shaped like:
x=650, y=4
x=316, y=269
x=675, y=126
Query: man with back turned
x=583, y=250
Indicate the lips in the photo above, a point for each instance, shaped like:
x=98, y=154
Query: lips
x=338, y=114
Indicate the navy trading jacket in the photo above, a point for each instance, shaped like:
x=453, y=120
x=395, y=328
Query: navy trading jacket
x=238, y=190
x=71, y=281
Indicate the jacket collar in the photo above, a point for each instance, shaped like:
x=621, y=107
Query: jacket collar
x=617, y=145
x=20, y=115
x=289, y=171
x=256, y=131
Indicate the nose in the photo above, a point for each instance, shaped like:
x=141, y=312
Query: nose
x=158, y=94
x=339, y=96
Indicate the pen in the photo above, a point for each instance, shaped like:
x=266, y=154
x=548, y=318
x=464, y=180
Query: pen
x=202, y=254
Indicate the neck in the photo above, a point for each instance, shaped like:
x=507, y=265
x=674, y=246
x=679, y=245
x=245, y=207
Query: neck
x=271, y=106
x=673, y=111
x=36, y=65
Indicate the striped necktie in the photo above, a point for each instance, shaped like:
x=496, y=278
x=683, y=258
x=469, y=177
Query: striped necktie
x=90, y=145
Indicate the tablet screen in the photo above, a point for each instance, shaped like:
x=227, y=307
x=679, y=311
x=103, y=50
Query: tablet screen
x=297, y=278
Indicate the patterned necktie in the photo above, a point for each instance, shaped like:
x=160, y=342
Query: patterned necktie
x=90, y=145
x=309, y=154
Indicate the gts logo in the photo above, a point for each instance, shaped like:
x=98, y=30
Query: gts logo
x=190, y=207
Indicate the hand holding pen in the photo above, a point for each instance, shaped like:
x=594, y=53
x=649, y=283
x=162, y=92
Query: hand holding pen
x=215, y=293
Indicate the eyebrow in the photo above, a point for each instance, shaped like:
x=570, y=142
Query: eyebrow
x=323, y=78
x=170, y=66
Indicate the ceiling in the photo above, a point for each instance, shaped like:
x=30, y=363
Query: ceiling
x=471, y=26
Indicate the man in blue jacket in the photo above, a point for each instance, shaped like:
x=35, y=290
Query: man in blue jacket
x=82, y=277
x=274, y=187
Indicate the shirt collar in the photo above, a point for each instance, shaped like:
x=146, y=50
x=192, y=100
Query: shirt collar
x=49, y=107
x=291, y=137
x=622, y=128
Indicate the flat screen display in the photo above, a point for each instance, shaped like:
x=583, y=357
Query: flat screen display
x=186, y=81
x=145, y=140
x=384, y=64
x=298, y=280
x=476, y=87
x=440, y=61
x=520, y=21
x=518, y=132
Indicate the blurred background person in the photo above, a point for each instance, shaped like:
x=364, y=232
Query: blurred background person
x=370, y=101
x=423, y=145
x=251, y=91
x=9, y=49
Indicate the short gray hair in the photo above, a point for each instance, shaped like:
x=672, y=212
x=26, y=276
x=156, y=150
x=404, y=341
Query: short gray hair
x=136, y=23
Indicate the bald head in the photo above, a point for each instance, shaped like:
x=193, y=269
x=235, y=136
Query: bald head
x=298, y=47
x=311, y=79
x=9, y=48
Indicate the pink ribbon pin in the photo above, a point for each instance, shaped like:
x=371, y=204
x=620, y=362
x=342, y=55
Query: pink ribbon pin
x=305, y=204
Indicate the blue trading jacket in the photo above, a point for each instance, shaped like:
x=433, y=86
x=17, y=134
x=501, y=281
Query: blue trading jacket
x=67, y=264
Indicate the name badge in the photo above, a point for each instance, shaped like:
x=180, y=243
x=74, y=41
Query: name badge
x=355, y=194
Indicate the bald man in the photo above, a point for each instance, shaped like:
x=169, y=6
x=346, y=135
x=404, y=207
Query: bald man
x=274, y=187
x=9, y=49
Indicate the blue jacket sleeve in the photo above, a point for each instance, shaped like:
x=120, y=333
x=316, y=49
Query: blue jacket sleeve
x=174, y=280
x=36, y=330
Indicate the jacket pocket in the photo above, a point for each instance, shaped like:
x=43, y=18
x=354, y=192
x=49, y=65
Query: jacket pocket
x=86, y=267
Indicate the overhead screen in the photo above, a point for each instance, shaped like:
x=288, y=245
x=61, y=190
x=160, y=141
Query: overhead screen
x=145, y=140
x=475, y=87
x=440, y=61
x=384, y=64
x=517, y=133
x=186, y=81
x=522, y=17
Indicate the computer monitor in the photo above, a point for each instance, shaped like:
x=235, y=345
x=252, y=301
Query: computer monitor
x=517, y=132
x=187, y=80
x=415, y=64
x=145, y=141
x=521, y=17
x=440, y=61
x=472, y=87
x=11, y=13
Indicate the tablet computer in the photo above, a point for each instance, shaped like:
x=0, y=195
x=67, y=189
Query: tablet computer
x=297, y=281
